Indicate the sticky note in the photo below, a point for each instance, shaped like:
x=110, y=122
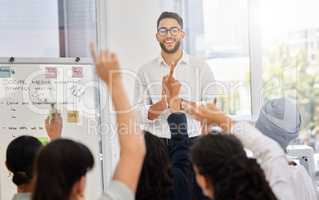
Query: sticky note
x=77, y=72
x=73, y=116
x=43, y=140
x=51, y=72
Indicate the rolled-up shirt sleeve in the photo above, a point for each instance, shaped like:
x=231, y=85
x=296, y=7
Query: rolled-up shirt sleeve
x=264, y=148
x=209, y=87
x=270, y=156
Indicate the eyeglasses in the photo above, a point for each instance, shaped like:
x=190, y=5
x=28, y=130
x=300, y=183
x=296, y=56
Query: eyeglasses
x=173, y=31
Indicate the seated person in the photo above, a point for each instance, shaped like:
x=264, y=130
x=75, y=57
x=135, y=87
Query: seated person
x=156, y=180
x=268, y=152
x=280, y=120
x=223, y=170
x=67, y=180
x=61, y=169
x=20, y=156
x=166, y=171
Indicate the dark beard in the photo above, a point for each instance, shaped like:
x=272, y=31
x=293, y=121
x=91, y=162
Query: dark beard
x=174, y=50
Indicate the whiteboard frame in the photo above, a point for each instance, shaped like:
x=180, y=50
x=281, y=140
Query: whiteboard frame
x=106, y=145
x=68, y=61
x=71, y=61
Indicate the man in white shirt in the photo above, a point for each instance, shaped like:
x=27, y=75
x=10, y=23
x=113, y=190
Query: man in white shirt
x=194, y=74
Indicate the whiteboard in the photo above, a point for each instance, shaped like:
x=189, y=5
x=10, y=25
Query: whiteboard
x=26, y=94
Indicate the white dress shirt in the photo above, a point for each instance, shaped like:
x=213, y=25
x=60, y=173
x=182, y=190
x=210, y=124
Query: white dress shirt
x=287, y=182
x=197, y=82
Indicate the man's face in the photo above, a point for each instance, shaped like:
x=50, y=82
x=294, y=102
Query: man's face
x=169, y=35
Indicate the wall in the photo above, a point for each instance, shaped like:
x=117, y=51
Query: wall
x=131, y=29
x=128, y=28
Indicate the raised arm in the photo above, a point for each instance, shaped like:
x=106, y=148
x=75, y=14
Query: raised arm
x=54, y=125
x=131, y=140
x=179, y=145
x=269, y=154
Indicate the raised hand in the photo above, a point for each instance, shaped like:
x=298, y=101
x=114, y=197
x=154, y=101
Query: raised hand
x=107, y=66
x=171, y=85
x=208, y=115
x=172, y=89
x=54, y=126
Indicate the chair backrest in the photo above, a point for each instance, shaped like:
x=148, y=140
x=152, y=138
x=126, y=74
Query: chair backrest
x=303, y=155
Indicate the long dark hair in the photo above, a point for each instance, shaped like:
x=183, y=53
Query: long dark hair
x=221, y=159
x=59, y=166
x=156, y=177
x=20, y=157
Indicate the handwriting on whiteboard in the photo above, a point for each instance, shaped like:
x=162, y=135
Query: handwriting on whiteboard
x=41, y=91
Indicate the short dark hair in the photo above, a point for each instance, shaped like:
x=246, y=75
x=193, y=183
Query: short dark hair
x=20, y=156
x=171, y=15
x=59, y=165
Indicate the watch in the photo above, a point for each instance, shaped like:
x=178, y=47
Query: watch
x=182, y=103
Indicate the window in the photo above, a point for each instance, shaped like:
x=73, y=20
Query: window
x=58, y=28
x=221, y=30
x=290, y=65
x=218, y=30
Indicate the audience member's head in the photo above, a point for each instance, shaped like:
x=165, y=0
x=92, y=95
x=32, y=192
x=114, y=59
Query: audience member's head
x=156, y=179
x=61, y=170
x=280, y=120
x=224, y=172
x=20, y=157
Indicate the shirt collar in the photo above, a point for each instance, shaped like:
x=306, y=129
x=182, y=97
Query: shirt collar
x=183, y=60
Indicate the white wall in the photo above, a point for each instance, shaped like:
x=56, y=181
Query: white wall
x=129, y=30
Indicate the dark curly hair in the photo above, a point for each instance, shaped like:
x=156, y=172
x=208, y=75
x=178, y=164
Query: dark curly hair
x=221, y=159
x=156, y=180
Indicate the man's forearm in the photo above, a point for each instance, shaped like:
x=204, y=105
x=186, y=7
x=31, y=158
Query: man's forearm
x=156, y=109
